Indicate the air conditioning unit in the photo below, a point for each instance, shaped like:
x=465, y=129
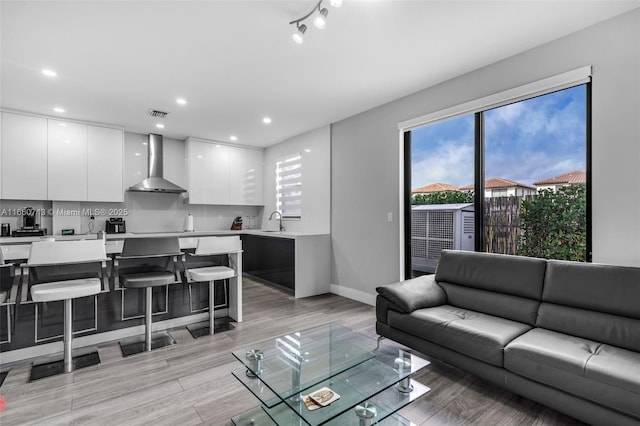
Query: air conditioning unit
x=437, y=227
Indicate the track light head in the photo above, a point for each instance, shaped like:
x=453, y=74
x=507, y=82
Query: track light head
x=298, y=36
x=321, y=20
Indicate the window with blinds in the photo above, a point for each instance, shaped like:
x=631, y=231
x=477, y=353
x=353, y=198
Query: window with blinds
x=289, y=186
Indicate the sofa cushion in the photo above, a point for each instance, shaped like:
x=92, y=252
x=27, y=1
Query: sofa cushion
x=507, y=306
x=416, y=293
x=603, y=288
x=596, y=302
x=601, y=327
x=516, y=275
x=600, y=373
x=474, y=334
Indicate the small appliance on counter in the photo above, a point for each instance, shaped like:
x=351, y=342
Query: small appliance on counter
x=188, y=223
x=237, y=224
x=115, y=225
x=6, y=230
x=30, y=224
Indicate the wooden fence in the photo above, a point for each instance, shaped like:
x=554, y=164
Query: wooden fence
x=502, y=224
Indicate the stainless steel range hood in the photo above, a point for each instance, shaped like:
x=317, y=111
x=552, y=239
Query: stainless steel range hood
x=155, y=182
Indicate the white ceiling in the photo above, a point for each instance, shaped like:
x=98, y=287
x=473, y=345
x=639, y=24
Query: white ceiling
x=234, y=61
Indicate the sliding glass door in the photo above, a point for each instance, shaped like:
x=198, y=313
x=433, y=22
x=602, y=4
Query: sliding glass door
x=535, y=164
x=512, y=179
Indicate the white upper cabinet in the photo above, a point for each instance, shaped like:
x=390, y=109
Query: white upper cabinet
x=245, y=176
x=105, y=164
x=24, y=157
x=199, y=172
x=49, y=159
x=67, y=160
x=231, y=175
x=236, y=170
x=220, y=174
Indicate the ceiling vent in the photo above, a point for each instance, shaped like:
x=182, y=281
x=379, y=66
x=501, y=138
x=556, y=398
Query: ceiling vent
x=155, y=113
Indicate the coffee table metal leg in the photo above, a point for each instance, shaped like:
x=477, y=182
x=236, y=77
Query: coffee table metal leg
x=403, y=364
x=366, y=413
x=254, y=358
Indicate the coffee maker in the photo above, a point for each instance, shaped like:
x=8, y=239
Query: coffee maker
x=30, y=224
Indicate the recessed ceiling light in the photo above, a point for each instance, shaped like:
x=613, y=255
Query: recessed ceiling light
x=58, y=109
x=63, y=124
x=181, y=101
x=233, y=138
x=137, y=153
x=49, y=73
x=160, y=126
x=266, y=120
x=307, y=150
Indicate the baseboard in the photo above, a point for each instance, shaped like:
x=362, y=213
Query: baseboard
x=357, y=295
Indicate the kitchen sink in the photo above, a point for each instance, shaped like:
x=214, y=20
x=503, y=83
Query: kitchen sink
x=269, y=230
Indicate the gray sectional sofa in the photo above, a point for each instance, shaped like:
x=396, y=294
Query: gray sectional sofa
x=565, y=334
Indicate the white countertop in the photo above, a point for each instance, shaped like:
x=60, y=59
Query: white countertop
x=18, y=247
x=181, y=234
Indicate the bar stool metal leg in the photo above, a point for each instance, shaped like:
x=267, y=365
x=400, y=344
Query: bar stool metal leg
x=150, y=341
x=68, y=335
x=209, y=328
x=68, y=363
x=148, y=314
x=211, y=310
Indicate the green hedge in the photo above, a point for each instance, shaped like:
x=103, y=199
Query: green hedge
x=444, y=197
x=554, y=224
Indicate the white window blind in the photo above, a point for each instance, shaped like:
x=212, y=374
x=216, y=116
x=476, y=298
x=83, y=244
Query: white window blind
x=541, y=87
x=289, y=186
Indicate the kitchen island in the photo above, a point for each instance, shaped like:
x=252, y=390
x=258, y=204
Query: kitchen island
x=116, y=314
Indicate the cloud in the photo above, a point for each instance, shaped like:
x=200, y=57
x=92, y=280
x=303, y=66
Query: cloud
x=525, y=141
x=451, y=162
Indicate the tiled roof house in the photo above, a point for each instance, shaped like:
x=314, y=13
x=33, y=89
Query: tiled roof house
x=571, y=178
x=500, y=187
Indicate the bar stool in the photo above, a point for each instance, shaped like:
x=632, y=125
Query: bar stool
x=8, y=295
x=211, y=246
x=143, y=256
x=60, y=256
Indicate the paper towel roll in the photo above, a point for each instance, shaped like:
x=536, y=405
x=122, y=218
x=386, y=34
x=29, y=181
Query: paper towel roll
x=188, y=223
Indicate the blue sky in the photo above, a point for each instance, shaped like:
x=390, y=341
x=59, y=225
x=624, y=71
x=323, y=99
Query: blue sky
x=525, y=142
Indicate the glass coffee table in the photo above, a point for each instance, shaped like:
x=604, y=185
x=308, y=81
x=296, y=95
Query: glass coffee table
x=373, y=381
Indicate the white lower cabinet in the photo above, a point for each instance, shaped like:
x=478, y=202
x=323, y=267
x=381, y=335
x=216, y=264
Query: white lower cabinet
x=222, y=174
x=24, y=157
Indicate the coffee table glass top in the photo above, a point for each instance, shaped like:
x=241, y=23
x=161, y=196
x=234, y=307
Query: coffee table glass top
x=352, y=365
x=308, y=356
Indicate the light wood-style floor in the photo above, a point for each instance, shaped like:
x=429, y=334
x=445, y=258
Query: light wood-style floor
x=191, y=383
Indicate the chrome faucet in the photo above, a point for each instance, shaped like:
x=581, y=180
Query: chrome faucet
x=280, y=216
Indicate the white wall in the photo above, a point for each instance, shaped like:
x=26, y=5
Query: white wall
x=365, y=152
x=315, y=148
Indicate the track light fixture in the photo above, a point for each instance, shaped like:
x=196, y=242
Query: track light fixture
x=320, y=21
x=298, y=36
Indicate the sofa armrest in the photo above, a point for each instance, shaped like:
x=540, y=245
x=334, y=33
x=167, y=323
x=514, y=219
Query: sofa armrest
x=415, y=293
